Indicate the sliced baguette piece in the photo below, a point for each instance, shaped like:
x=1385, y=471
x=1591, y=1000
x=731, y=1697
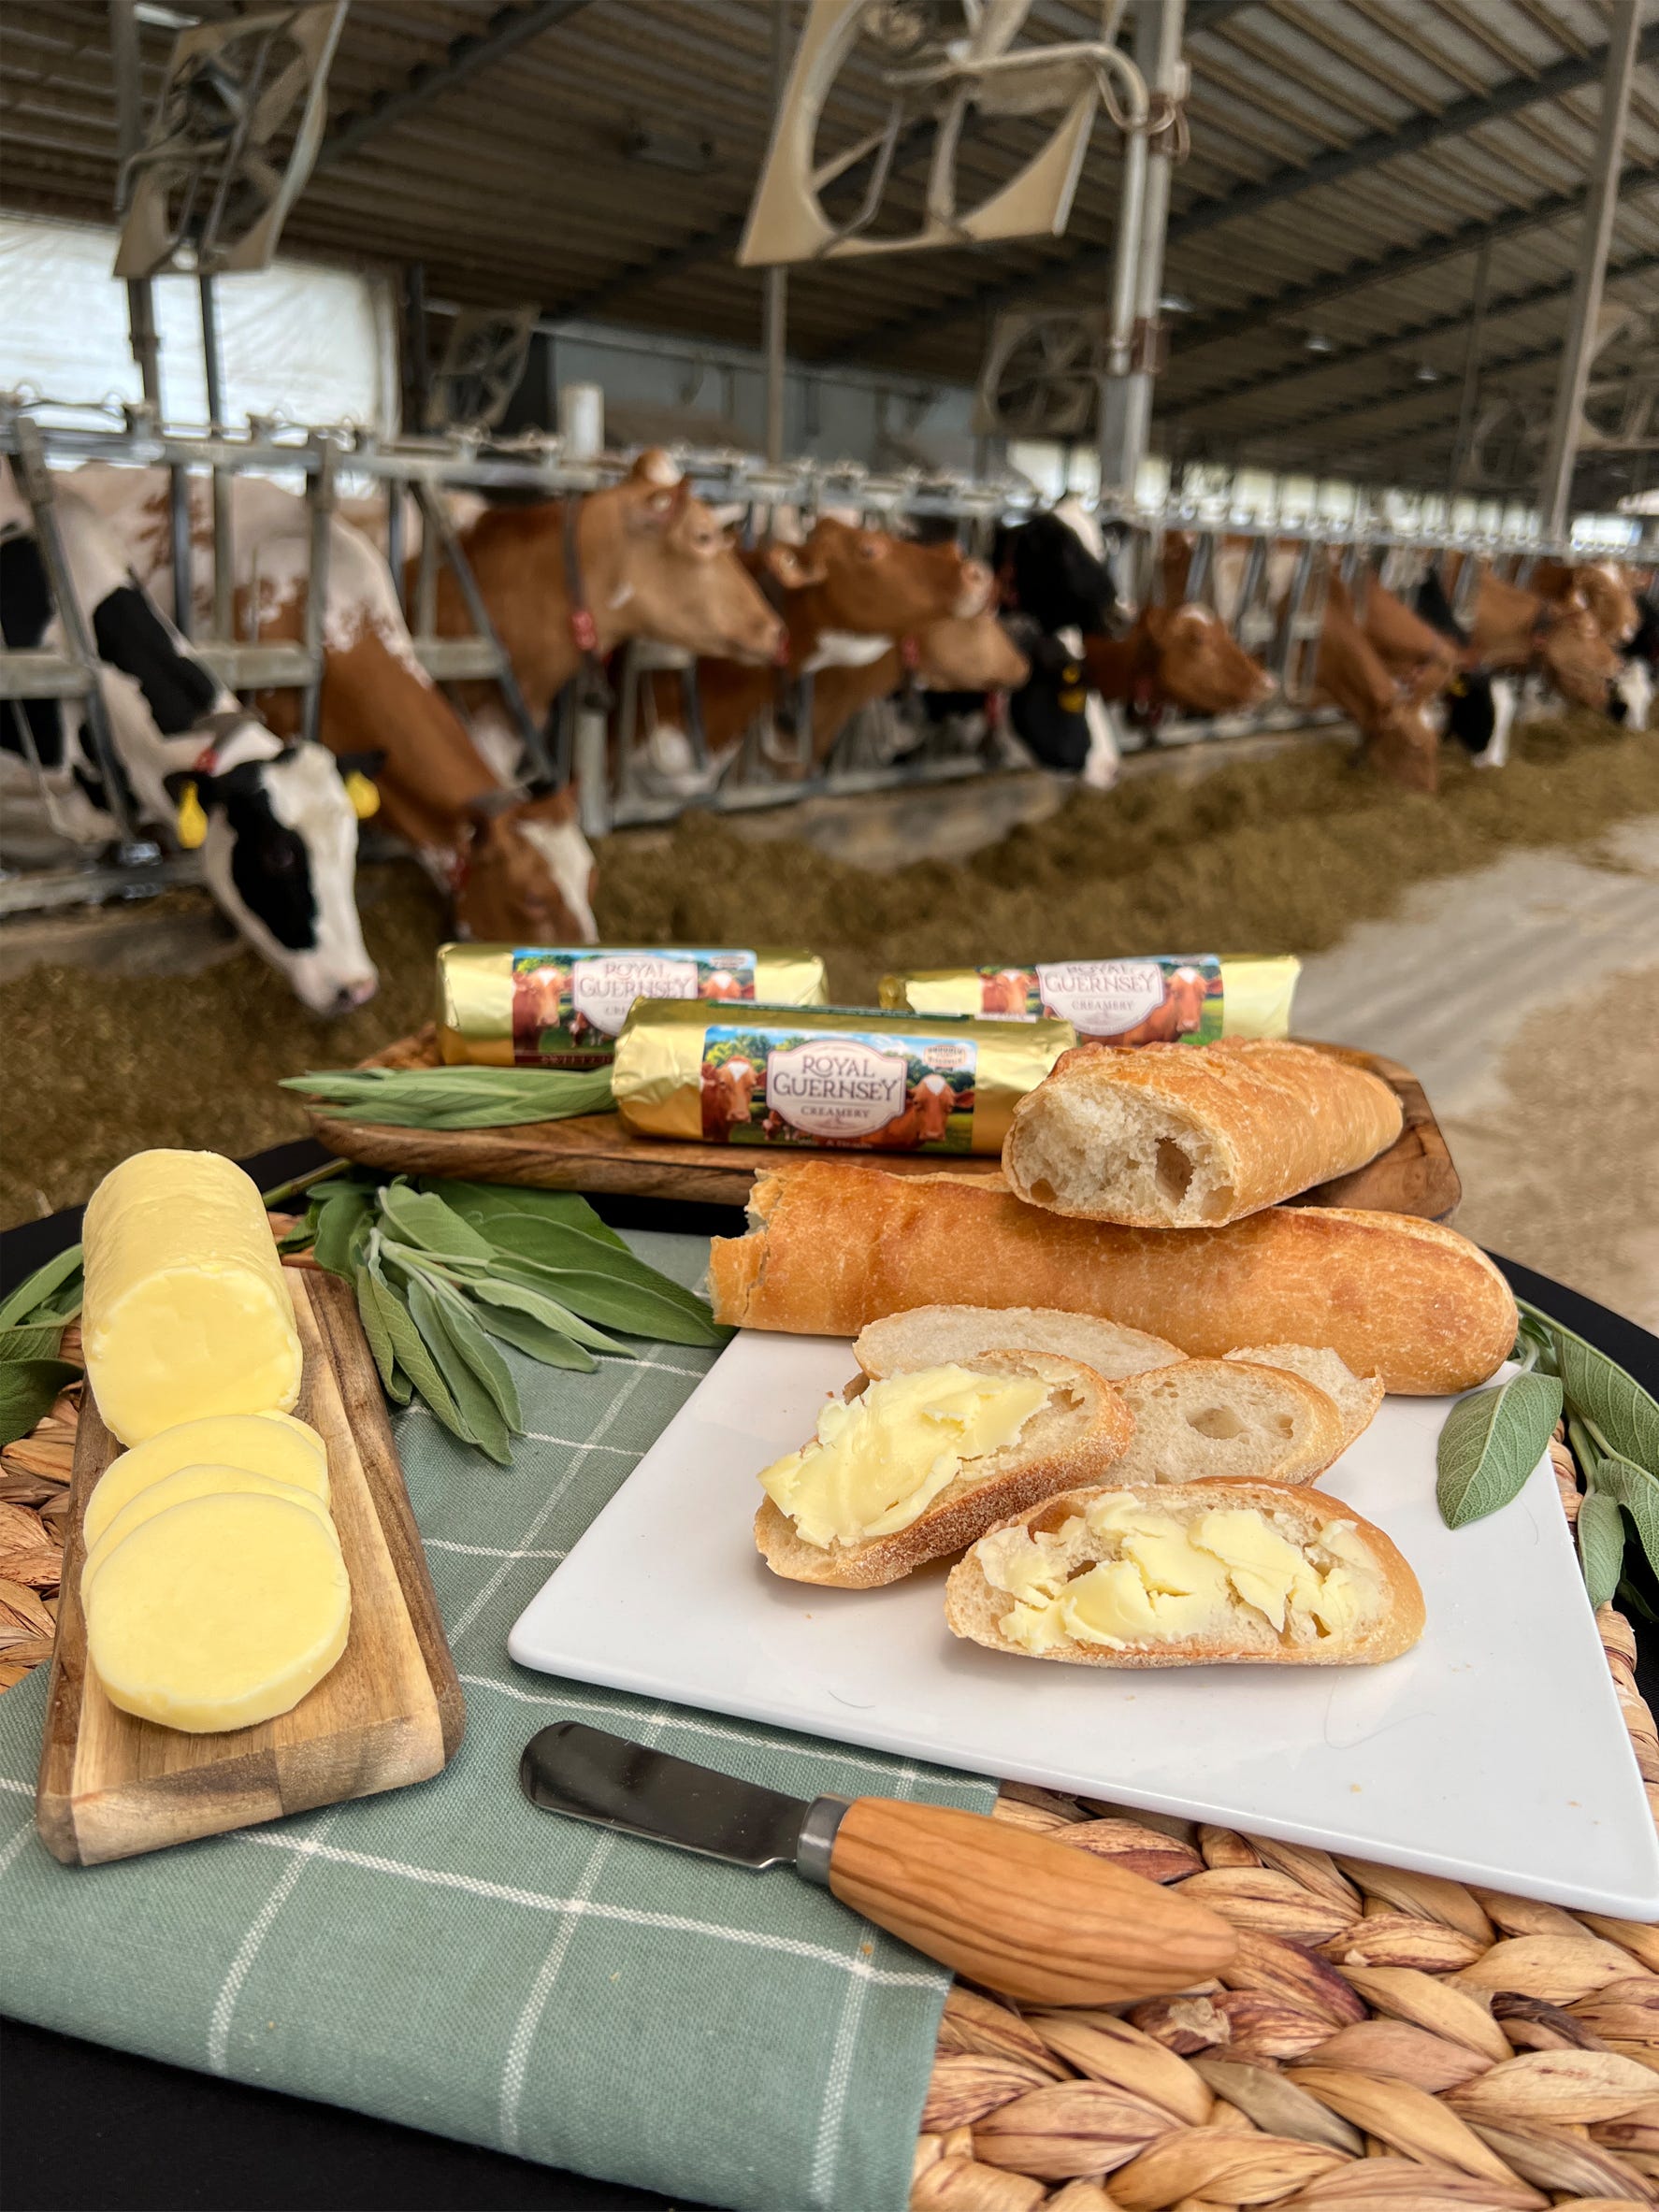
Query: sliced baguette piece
x=1356, y=1398
x=931, y=1336
x=833, y=1245
x=976, y=1608
x=1173, y=1136
x=1075, y=1437
x=1213, y=1420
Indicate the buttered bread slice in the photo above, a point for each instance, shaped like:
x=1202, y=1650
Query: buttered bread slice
x=1205, y=1419
x=1211, y=1573
x=919, y=1464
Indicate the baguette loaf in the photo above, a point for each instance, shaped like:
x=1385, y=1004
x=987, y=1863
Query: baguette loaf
x=1272, y=1577
x=1168, y=1136
x=1074, y=1437
x=929, y=1335
x=1208, y=1421
x=834, y=1245
x=1356, y=1398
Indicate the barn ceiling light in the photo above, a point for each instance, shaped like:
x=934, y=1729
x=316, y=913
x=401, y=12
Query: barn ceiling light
x=1317, y=343
x=1177, y=303
x=669, y=149
x=1425, y=375
x=163, y=19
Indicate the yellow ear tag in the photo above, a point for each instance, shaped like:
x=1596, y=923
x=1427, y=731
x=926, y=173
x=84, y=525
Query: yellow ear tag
x=191, y=823
x=364, y=797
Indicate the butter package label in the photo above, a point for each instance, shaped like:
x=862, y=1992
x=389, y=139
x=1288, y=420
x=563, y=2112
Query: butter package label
x=564, y=1006
x=569, y=1008
x=1155, y=998
x=831, y=1077
x=886, y=1092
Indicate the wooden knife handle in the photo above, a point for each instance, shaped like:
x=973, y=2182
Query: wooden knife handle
x=1038, y=1920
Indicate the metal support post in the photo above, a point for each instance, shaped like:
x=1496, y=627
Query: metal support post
x=224, y=574
x=1142, y=219
x=1594, y=236
x=438, y=532
x=775, y=307
x=35, y=480
x=319, y=493
x=1465, y=413
x=129, y=97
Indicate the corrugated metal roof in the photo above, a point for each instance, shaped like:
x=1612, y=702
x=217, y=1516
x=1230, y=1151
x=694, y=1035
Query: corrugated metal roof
x=1345, y=157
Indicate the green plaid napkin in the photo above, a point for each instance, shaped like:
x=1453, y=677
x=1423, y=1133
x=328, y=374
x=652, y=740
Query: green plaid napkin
x=447, y=1957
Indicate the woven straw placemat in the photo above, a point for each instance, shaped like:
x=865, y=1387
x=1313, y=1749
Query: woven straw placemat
x=1385, y=2042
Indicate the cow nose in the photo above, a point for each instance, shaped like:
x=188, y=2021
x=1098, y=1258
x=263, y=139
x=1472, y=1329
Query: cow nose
x=976, y=592
x=357, y=992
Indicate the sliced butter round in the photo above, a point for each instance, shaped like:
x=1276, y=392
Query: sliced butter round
x=219, y=1613
x=284, y=1449
x=178, y=1489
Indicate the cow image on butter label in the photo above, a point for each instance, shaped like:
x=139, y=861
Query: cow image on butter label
x=1162, y=1000
x=781, y=1086
x=568, y=1007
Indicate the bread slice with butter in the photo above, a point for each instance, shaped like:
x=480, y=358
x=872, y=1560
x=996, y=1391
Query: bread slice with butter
x=1211, y=1573
x=1356, y=1398
x=917, y=1465
x=928, y=1336
x=1208, y=1419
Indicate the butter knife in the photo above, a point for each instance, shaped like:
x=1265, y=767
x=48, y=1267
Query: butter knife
x=1041, y=1921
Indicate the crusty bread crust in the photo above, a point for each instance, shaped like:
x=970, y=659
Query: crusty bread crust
x=972, y=1608
x=1012, y=1481
x=836, y=1244
x=1266, y=1118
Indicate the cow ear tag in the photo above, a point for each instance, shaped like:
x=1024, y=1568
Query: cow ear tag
x=189, y=822
x=364, y=797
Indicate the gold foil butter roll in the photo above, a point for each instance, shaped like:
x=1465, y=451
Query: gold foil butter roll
x=840, y=1078
x=563, y=1006
x=1155, y=998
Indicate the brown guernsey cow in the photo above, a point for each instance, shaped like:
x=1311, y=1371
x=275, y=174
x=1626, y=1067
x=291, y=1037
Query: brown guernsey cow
x=1559, y=639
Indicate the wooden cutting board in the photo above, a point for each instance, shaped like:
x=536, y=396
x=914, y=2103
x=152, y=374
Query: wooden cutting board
x=390, y=1712
x=595, y=1152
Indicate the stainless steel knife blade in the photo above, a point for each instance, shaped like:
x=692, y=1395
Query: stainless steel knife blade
x=589, y=1774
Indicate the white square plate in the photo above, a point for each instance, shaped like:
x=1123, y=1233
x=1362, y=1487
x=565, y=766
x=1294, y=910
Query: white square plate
x=1493, y=1753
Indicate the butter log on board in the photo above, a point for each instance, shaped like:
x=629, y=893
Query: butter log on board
x=833, y=1246
x=1150, y=998
x=187, y=1312
x=1168, y=1137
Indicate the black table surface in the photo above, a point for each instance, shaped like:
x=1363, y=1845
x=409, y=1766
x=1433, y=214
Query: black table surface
x=87, y=2129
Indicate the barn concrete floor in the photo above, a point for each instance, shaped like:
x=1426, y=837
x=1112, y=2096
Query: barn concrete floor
x=1526, y=998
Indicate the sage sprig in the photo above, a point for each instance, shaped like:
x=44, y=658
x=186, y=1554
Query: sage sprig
x=1493, y=1439
x=445, y=1271
x=455, y=1097
x=32, y=1323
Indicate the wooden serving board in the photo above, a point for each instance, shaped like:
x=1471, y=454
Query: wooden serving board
x=595, y=1152
x=389, y=1712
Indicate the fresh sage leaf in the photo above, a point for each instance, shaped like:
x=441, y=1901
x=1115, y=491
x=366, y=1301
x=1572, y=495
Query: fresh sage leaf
x=481, y=1356
x=338, y=1223
x=483, y=1425
x=30, y=1340
x=1600, y=1391
x=643, y=1309
x=529, y=1335
x=1629, y=1599
x=27, y=1389
x=374, y=1323
x=518, y=1297
x=1601, y=1544
x=419, y=1219
x=33, y=1290
x=418, y=1364
x=1637, y=1492
x=1490, y=1444
x=477, y=1203
x=455, y=1097
x=574, y=1253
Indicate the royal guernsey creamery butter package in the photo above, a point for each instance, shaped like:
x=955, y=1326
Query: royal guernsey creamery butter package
x=1155, y=998
x=836, y=1077
x=563, y=1006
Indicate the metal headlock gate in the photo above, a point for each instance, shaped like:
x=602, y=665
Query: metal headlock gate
x=619, y=775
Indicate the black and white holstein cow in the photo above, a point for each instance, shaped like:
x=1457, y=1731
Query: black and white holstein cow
x=1055, y=588
x=276, y=823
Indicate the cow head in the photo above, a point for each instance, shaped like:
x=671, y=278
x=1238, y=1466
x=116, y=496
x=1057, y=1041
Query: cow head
x=1403, y=743
x=1574, y=655
x=1054, y=569
x=875, y=584
x=971, y=653
x=1200, y=666
x=1602, y=587
x=670, y=571
x=278, y=830
x=527, y=872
